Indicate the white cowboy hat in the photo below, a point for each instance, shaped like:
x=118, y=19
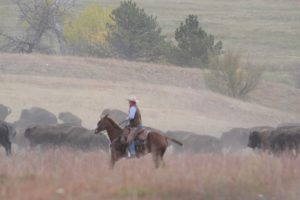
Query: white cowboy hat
x=132, y=98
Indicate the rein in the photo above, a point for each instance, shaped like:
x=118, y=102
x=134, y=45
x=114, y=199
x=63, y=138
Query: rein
x=114, y=140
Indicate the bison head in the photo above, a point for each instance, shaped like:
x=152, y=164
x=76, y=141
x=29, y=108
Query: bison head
x=4, y=112
x=27, y=133
x=254, y=140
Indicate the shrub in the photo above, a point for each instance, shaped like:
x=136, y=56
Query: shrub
x=226, y=75
x=86, y=34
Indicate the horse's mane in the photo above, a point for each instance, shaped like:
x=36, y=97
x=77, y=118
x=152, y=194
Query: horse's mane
x=113, y=123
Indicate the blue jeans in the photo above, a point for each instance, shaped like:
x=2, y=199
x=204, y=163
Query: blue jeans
x=131, y=148
x=131, y=145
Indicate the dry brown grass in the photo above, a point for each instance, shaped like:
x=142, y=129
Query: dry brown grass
x=73, y=174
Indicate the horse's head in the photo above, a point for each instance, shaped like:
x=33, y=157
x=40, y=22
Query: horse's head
x=102, y=124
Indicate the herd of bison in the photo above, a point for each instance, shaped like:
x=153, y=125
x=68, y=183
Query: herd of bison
x=40, y=128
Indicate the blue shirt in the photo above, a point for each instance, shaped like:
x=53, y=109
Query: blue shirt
x=131, y=113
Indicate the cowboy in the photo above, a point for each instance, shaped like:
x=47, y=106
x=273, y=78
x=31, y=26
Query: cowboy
x=135, y=122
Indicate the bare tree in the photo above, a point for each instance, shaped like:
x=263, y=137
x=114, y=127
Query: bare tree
x=228, y=75
x=41, y=19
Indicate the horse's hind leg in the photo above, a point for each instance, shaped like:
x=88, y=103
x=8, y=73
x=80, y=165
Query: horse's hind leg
x=162, y=153
x=157, y=158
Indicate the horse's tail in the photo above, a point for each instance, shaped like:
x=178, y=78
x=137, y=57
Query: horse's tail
x=173, y=140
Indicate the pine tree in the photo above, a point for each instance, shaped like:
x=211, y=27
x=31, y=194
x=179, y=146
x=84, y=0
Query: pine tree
x=136, y=35
x=194, y=43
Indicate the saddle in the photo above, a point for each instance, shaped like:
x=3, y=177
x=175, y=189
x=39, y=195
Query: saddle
x=137, y=134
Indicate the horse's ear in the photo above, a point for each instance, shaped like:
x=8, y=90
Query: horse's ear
x=103, y=116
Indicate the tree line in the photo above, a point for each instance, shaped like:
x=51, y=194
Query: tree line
x=126, y=32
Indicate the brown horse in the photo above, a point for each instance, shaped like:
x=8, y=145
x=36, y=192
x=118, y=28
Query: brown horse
x=155, y=143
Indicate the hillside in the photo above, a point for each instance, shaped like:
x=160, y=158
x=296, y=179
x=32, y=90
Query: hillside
x=171, y=98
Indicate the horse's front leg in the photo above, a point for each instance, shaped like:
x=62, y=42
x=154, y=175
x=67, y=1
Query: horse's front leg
x=115, y=156
x=113, y=159
x=112, y=164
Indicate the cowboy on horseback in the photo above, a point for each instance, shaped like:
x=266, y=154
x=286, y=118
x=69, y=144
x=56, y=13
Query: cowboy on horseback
x=153, y=141
x=135, y=123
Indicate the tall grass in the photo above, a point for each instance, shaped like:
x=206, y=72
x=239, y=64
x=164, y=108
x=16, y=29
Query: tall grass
x=73, y=174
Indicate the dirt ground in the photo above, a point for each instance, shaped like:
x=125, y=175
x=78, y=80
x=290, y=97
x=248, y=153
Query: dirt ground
x=171, y=98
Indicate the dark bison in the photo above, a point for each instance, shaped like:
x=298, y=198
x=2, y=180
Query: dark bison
x=237, y=139
x=7, y=132
x=286, y=138
x=31, y=117
x=35, y=116
x=194, y=143
x=260, y=138
x=288, y=125
x=202, y=144
x=65, y=135
x=69, y=118
x=4, y=112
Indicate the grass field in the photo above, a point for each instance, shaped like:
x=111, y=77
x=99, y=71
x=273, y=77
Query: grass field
x=266, y=31
x=72, y=174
